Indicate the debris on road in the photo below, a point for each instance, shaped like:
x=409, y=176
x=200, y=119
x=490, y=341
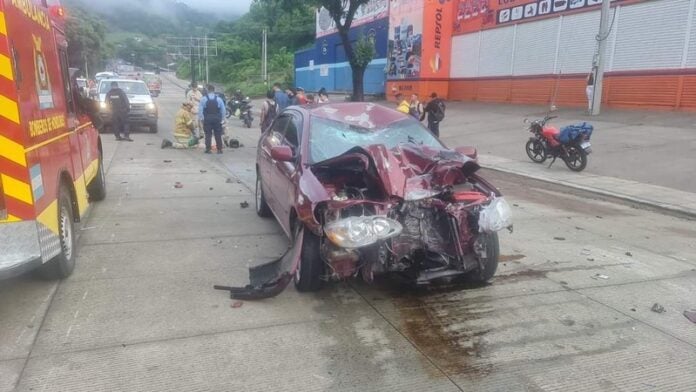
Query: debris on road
x=559, y=238
x=600, y=276
x=237, y=304
x=633, y=309
x=229, y=181
x=203, y=171
x=690, y=315
x=629, y=254
x=586, y=252
x=178, y=185
x=657, y=308
x=590, y=259
x=244, y=204
x=211, y=188
x=167, y=161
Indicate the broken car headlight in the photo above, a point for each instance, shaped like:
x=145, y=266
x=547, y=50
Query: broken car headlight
x=359, y=231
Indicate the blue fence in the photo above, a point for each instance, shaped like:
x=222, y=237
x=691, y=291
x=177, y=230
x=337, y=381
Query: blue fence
x=325, y=65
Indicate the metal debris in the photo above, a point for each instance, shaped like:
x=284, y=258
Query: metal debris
x=244, y=204
x=690, y=315
x=657, y=308
x=600, y=276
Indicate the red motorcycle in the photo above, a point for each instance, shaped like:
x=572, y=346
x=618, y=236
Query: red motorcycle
x=571, y=143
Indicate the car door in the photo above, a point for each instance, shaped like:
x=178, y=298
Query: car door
x=268, y=166
x=287, y=172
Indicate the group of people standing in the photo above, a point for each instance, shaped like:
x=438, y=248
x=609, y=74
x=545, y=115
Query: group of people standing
x=278, y=99
x=434, y=110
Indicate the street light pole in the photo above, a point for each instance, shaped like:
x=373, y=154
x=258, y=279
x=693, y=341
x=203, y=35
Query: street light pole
x=602, y=38
x=265, y=58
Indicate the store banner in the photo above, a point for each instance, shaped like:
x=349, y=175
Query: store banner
x=475, y=15
x=405, y=39
x=369, y=12
x=437, y=38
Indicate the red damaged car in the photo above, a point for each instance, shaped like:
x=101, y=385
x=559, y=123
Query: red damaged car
x=362, y=190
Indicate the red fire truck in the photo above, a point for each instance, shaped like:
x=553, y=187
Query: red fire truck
x=50, y=153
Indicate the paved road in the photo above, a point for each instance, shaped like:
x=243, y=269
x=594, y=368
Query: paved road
x=568, y=311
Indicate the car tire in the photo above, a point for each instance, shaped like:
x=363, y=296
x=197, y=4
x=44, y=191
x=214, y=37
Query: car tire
x=62, y=266
x=311, y=267
x=97, y=188
x=490, y=264
x=262, y=208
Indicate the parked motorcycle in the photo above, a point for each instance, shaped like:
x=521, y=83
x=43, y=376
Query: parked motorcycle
x=241, y=109
x=571, y=143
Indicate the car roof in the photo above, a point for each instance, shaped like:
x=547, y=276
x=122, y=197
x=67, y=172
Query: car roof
x=121, y=80
x=363, y=114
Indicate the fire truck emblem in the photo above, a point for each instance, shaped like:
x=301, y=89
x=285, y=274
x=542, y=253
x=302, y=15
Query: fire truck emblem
x=43, y=81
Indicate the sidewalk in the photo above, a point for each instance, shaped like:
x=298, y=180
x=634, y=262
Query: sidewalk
x=639, y=156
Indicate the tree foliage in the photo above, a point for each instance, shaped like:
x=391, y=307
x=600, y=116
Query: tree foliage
x=86, y=37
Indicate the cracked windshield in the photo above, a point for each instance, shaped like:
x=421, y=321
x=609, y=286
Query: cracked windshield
x=347, y=195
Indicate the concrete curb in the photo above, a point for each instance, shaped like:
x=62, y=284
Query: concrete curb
x=670, y=208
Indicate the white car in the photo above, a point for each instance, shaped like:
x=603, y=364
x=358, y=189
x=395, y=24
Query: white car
x=143, y=110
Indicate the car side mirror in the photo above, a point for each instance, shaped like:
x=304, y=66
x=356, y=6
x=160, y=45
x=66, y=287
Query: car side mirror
x=282, y=153
x=469, y=151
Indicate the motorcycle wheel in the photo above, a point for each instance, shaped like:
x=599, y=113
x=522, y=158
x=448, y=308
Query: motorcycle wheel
x=536, y=151
x=576, y=158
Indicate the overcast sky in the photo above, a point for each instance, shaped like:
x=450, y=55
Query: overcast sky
x=226, y=7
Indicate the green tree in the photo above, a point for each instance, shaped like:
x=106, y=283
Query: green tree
x=86, y=35
x=359, y=53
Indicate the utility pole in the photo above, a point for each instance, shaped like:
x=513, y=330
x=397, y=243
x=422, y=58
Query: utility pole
x=207, y=69
x=602, y=38
x=265, y=58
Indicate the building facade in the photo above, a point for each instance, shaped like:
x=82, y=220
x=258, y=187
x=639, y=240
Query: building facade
x=541, y=51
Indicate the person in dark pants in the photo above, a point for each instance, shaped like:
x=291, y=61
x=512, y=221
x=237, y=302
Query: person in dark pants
x=119, y=105
x=436, y=113
x=211, y=111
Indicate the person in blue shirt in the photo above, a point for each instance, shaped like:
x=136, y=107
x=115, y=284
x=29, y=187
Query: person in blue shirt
x=281, y=97
x=211, y=112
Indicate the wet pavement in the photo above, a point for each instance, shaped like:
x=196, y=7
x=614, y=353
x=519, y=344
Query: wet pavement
x=569, y=310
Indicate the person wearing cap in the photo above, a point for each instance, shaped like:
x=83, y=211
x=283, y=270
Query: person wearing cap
x=436, y=113
x=184, y=124
x=300, y=97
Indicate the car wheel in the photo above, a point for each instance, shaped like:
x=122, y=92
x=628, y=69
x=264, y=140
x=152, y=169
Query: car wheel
x=62, y=266
x=311, y=267
x=262, y=208
x=97, y=188
x=490, y=263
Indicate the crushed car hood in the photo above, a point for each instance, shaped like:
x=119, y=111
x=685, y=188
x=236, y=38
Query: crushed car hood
x=405, y=168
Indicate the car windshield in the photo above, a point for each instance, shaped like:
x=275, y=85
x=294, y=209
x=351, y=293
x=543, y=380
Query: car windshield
x=329, y=138
x=130, y=88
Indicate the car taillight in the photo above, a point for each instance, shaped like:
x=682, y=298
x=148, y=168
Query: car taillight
x=3, y=207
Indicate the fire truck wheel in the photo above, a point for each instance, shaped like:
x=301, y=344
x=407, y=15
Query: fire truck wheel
x=97, y=188
x=62, y=266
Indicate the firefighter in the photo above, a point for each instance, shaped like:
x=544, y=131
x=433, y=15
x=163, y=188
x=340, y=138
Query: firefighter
x=118, y=102
x=184, y=125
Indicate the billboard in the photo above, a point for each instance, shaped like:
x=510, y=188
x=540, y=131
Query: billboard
x=369, y=12
x=474, y=15
x=437, y=39
x=405, y=39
